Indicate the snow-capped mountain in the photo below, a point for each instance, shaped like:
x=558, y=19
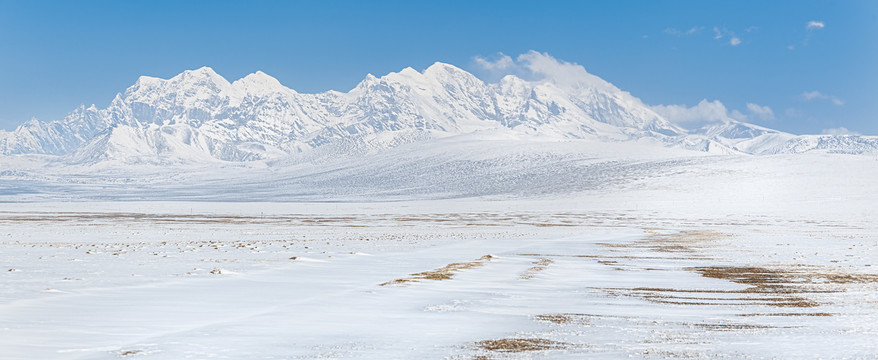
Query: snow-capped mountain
x=840, y=144
x=200, y=116
x=738, y=137
x=735, y=137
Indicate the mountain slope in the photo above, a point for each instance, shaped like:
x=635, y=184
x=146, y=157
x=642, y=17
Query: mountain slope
x=199, y=116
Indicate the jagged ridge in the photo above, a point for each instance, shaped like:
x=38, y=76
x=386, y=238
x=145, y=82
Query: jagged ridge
x=200, y=116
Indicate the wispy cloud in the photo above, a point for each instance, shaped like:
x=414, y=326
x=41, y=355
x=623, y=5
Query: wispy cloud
x=761, y=112
x=537, y=66
x=502, y=62
x=839, y=131
x=677, y=32
x=816, y=95
x=702, y=113
x=811, y=26
x=707, y=112
x=719, y=33
x=734, y=40
x=811, y=95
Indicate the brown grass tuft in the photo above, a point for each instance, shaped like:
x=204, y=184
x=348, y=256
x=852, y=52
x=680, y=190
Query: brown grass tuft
x=521, y=345
x=444, y=273
x=562, y=319
x=539, y=265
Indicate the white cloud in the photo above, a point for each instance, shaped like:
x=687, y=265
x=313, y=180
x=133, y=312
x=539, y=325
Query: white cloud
x=811, y=27
x=537, y=66
x=734, y=40
x=839, y=131
x=503, y=63
x=495, y=69
x=542, y=66
x=816, y=95
x=815, y=25
x=672, y=31
x=811, y=95
x=737, y=115
x=761, y=112
x=702, y=113
x=676, y=32
x=706, y=112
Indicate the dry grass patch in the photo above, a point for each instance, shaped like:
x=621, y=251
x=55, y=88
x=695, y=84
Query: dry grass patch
x=732, y=327
x=791, y=314
x=786, y=287
x=563, y=319
x=784, y=279
x=616, y=258
x=684, y=242
x=521, y=345
x=539, y=265
x=699, y=297
x=444, y=273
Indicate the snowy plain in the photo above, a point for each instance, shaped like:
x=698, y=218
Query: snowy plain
x=503, y=249
x=429, y=215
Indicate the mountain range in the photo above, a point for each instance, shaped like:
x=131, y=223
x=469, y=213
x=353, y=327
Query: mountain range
x=199, y=116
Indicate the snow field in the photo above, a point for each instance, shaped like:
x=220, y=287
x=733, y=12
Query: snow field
x=112, y=280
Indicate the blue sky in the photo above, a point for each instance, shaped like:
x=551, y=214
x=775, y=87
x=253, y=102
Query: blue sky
x=813, y=64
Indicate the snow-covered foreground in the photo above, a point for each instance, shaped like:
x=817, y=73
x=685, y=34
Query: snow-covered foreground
x=532, y=252
x=437, y=279
x=429, y=215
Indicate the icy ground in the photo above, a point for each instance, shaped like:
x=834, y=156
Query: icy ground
x=752, y=257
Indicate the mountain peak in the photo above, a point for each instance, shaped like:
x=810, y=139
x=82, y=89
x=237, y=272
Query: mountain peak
x=366, y=82
x=449, y=74
x=512, y=81
x=440, y=67
x=203, y=71
x=199, y=77
x=148, y=88
x=260, y=83
x=408, y=70
x=148, y=80
x=200, y=112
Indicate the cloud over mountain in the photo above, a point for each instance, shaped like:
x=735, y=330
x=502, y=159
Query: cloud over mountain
x=199, y=116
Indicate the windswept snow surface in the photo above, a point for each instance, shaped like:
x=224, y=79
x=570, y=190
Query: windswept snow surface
x=473, y=249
